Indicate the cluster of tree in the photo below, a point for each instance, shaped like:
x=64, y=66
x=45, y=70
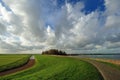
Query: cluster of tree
x=54, y=52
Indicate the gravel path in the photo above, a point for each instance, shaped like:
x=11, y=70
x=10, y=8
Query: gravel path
x=108, y=72
x=30, y=63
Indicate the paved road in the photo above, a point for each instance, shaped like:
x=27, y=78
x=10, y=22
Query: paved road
x=108, y=72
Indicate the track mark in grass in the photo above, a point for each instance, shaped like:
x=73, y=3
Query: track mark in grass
x=58, y=68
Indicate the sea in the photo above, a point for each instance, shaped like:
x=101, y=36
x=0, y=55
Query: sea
x=116, y=56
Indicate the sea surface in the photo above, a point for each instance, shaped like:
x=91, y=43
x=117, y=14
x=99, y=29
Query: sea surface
x=116, y=57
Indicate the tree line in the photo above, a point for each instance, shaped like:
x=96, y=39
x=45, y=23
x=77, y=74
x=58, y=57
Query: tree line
x=54, y=52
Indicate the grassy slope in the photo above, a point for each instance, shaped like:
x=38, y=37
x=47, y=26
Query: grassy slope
x=57, y=68
x=6, y=59
x=11, y=61
x=111, y=64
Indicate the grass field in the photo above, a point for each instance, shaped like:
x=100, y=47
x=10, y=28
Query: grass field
x=12, y=61
x=57, y=68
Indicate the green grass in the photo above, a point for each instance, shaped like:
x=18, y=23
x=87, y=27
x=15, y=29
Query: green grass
x=57, y=68
x=12, y=61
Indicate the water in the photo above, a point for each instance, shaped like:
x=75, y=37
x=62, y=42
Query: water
x=116, y=57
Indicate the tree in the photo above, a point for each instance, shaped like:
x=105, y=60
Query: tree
x=54, y=52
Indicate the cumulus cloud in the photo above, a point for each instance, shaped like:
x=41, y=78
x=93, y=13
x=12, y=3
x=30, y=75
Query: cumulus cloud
x=2, y=28
x=38, y=25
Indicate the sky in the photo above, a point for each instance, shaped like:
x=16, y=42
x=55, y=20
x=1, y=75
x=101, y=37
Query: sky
x=75, y=26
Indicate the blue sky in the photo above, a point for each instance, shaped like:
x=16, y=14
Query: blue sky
x=70, y=25
x=89, y=5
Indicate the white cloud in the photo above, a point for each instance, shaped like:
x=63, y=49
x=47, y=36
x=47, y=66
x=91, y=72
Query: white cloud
x=112, y=13
x=26, y=26
x=113, y=21
x=2, y=28
x=112, y=6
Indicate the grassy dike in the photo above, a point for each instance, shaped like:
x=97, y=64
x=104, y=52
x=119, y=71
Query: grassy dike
x=57, y=68
x=12, y=61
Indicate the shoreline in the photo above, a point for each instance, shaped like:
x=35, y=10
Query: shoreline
x=114, y=61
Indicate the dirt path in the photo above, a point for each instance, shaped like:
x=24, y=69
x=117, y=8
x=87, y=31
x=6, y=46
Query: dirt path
x=108, y=72
x=30, y=63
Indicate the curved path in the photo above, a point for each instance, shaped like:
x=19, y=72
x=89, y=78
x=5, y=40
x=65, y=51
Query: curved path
x=108, y=72
x=29, y=64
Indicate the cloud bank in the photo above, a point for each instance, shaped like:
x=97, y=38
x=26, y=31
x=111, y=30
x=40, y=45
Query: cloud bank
x=36, y=25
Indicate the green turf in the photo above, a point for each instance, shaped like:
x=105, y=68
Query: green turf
x=57, y=68
x=12, y=61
